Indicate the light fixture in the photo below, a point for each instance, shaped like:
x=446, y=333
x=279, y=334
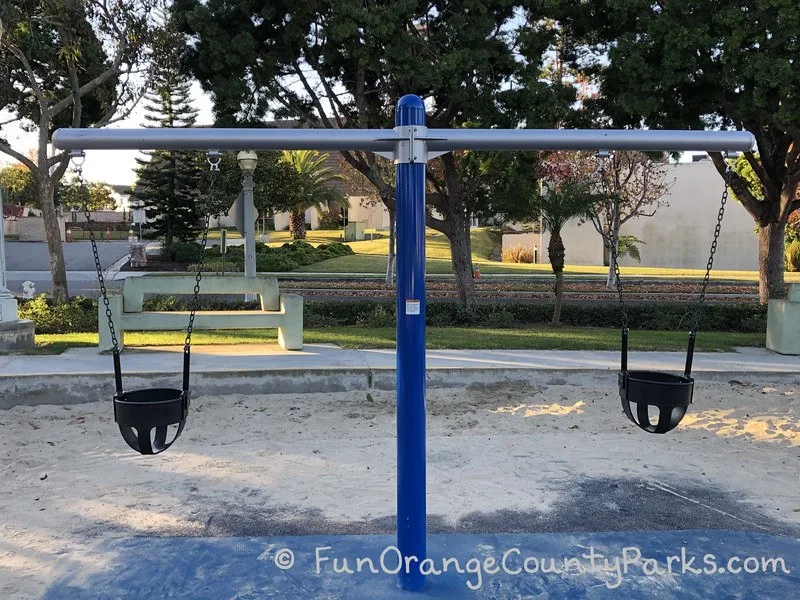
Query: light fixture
x=247, y=161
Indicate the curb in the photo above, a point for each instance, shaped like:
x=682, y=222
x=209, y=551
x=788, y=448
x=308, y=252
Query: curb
x=58, y=389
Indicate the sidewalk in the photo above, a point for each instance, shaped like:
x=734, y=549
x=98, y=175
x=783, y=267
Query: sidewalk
x=83, y=375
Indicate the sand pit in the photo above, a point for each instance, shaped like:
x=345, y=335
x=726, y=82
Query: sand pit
x=513, y=457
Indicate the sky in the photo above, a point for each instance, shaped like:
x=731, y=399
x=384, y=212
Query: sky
x=114, y=167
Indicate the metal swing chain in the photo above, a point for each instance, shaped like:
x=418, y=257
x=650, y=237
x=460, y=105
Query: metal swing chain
x=78, y=158
x=213, y=161
x=710, y=264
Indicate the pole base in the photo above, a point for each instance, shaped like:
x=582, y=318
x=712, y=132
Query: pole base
x=16, y=336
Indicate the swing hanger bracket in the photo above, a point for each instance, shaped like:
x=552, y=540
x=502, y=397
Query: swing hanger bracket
x=78, y=157
x=214, y=157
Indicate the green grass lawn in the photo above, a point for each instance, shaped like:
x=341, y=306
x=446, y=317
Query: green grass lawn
x=370, y=258
x=438, y=338
x=371, y=255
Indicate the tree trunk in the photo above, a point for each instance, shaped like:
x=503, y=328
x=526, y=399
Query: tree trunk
x=556, y=252
x=457, y=222
x=771, y=261
x=613, y=239
x=297, y=224
x=461, y=258
x=390, y=259
x=58, y=271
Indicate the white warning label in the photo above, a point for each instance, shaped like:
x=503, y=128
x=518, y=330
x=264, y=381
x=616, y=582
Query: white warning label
x=412, y=307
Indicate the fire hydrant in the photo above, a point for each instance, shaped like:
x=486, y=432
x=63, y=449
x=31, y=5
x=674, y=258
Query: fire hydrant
x=477, y=273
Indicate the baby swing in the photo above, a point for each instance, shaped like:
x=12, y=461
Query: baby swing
x=670, y=394
x=144, y=416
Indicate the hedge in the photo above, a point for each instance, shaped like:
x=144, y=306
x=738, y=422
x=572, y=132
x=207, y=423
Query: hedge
x=287, y=257
x=80, y=314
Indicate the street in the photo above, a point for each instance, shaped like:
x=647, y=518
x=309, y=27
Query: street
x=30, y=261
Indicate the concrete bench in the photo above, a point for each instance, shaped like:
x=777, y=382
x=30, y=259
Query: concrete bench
x=281, y=311
x=783, y=323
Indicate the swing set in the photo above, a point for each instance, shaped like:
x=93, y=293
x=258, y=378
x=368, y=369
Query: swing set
x=146, y=416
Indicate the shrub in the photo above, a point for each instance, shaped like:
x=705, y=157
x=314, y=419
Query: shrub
x=189, y=252
x=518, y=254
x=793, y=257
x=378, y=316
x=500, y=319
x=329, y=220
x=77, y=315
x=793, y=227
x=217, y=266
x=275, y=263
x=80, y=314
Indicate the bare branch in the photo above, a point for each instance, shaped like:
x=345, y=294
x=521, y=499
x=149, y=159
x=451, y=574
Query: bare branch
x=312, y=95
x=739, y=187
x=59, y=171
x=336, y=105
x=37, y=90
x=757, y=167
x=6, y=149
x=13, y=119
x=90, y=86
x=77, y=105
x=130, y=103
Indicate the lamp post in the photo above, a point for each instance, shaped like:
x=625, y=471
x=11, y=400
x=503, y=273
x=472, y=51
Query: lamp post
x=15, y=333
x=248, y=160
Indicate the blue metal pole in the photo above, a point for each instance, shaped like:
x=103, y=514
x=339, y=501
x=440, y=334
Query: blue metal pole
x=410, y=219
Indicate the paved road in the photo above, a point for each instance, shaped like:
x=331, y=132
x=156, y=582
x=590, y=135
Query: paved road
x=30, y=261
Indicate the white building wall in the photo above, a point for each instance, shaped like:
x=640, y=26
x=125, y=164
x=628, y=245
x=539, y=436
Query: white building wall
x=680, y=234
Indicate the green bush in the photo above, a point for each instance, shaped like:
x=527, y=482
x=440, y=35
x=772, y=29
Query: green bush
x=275, y=263
x=189, y=252
x=78, y=315
x=217, y=266
x=378, y=315
x=329, y=220
x=793, y=257
x=287, y=257
x=500, y=319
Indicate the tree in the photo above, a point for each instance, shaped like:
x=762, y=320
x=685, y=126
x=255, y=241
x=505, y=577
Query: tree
x=356, y=181
x=530, y=188
x=99, y=196
x=695, y=64
x=67, y=63
x=168, y=181
x=314, y=187
x=565, y=195
x=275, y=183
x=346, y=63
x=18, y=186
x=632, y=185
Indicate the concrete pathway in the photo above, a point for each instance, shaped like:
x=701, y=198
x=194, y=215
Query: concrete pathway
x=82, y=375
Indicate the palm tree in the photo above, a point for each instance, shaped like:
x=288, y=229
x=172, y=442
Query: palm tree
x=315, y=180
x=556, y=205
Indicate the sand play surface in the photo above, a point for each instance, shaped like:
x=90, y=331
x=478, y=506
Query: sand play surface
x=513, y=457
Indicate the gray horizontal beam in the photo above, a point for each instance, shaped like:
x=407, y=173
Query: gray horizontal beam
x=202, y=138
x=384, y=140
x=589, y=139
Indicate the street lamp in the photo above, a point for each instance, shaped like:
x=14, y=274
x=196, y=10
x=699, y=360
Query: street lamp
x=248, y=160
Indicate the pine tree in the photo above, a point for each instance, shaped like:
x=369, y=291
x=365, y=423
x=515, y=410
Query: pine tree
x=168, y=181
